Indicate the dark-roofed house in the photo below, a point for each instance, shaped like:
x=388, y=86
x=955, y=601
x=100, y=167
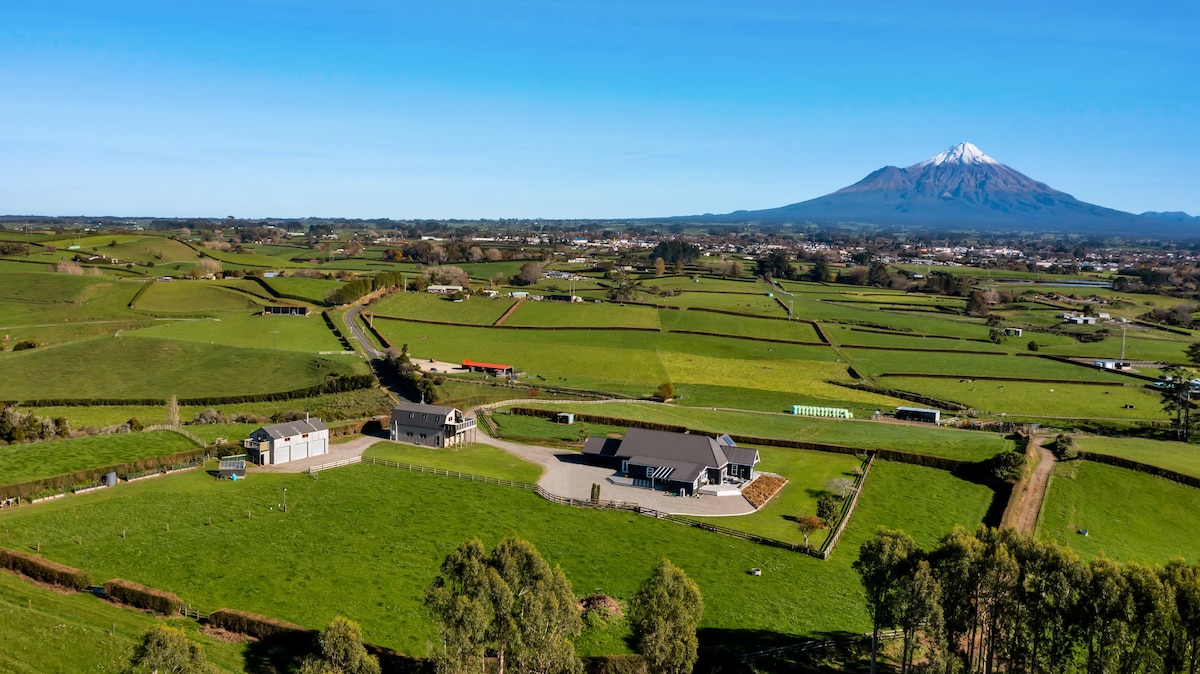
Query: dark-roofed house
x=430, y=425
x=675, y=462
x=290, y=441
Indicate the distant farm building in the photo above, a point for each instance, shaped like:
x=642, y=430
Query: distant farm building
x=1012, y=332
x=1079, y=319
x=430, y=425
x=564, y=298
x=285, y=310
x=1113, y=364
x=494, y=369
x=565, y=418
x=918, y=414
x=830, y=412
x=291, y=441
x=444, y=290
x=680, y=463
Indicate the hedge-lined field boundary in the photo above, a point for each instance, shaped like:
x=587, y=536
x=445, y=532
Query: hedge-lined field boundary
x=139, y=596
x=335, y=384
x=44, y=570
x=983, y=377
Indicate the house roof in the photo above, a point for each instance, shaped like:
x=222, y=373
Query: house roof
x=422, y=415
x=602, y=446
x=681, y=447
x=743, y=456
x=290, y=428
x=681, y=471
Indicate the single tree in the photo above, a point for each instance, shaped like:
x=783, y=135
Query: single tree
x=529, y=274
x=664, y=615
x=342, y=651
x=660, y=266
x=462, y=602
x=1175, y=387
x=883, y=563
x=808, y=526
x=173, y=411
x=665, y=391
x=828, y=509
x=920, y=611
x=841, y=487
x=167, y=649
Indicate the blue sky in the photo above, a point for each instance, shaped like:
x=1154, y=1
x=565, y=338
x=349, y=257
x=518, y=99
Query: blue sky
x=582, y=108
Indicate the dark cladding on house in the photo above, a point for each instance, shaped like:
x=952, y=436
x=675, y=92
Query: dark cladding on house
x=674, y=462
x=430, y=425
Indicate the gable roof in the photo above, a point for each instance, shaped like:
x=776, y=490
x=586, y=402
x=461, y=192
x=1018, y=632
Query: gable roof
x=290, y=428
x=421, y=415
x=678, y=447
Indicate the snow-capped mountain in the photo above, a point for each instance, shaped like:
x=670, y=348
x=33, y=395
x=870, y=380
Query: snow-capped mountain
x=961, y=188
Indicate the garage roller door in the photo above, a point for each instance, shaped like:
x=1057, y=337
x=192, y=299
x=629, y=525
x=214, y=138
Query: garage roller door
x=300, y=451
x=282, y=454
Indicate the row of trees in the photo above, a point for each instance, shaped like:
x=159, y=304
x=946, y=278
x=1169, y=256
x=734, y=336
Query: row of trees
x=512, y=605
x=998, y=600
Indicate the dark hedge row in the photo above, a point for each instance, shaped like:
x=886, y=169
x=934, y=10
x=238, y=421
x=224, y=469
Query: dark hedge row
x=747, y=337
x=334, y=384
x=140, y=596
x=252, y=624
x=1119, y=462
x=138, y=295
x=44, y=570
x=905, y=395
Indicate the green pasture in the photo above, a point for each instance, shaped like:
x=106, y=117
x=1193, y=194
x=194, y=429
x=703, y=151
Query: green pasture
x=347, y=405
x=140, y=367
x=587, y=314
x=248, y=286
x=1129, y=515
x=808, y=474
x=157, y=249
x=478, y=310
x=931, y=440
x=19, y=463
x=253, y=260
x=311, y=289
x=849, y=335
x=46, y=334
x=542, y=430
x=380, y=545
x=605, y=360
x=925, y=502
x=806, y=377
x=191, y=297
x=1032, y=399
x=1140, y=344
x=475, y=458
x=1177, y=456
x=49, y=632
x=759, y=304
x=862, y=404
x=252, y=331
x=706, y=284
x=466, y=394
x=705, y=321
x=871, y=363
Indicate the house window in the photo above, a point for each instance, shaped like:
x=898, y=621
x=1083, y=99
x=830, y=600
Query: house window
x=410, y=434
x=412, y=415
x=305, y=435
x=423, y=436
x=287, y=439
x=650, y=471
x=424, y=417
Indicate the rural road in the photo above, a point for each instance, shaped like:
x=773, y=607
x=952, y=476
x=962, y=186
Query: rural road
x=355, y=330
x=1029, y=503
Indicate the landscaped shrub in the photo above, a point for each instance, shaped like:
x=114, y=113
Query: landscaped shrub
x=252, y=624
x=140, y=596
x=44, y=570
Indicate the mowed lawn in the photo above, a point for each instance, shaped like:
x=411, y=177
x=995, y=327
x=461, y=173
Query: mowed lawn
x=50, y=632
x=931, y=440
x=474, y=458
x=138, y=367
x=806, y=377
x=1035, y=399
x=19, y=463
x=1129, y=516
x=253, y=331
x=585, y=314
x=477, y=310
x=808, y=474
x=190, y=297
x=1180, y=457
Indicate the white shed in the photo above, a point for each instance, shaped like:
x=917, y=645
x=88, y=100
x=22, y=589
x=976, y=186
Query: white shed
x=290, y=441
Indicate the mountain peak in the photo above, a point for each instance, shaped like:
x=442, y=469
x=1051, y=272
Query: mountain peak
x=963, y=153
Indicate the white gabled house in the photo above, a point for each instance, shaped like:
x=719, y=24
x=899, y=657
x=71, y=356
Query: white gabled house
x=290, y=441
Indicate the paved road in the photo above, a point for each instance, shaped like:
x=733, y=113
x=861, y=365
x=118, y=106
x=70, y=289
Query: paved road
x=355, y=330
